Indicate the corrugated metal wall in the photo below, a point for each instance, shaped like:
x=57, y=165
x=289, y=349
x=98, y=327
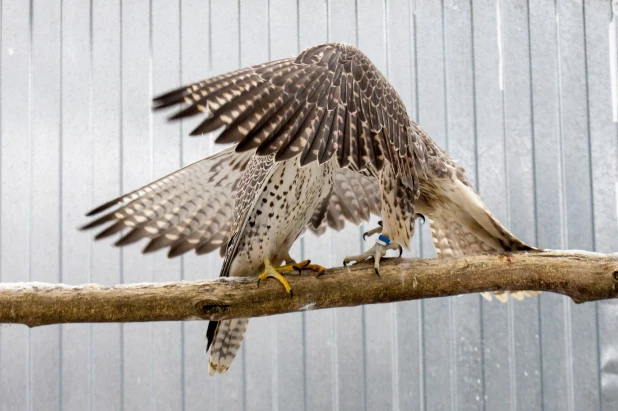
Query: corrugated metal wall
x=522, y=93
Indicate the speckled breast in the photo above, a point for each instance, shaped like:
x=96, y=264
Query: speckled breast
x=283, y=209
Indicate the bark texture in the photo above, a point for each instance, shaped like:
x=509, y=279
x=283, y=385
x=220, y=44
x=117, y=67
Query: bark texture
x=580, y=275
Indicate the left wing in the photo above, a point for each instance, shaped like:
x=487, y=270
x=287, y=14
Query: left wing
x=192, y=208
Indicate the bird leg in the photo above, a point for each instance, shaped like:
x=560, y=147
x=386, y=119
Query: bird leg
x=376, y=252
x=380, y=227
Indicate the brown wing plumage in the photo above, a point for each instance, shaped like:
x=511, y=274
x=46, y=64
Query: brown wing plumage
x=328, y=101
x=189, y=209
x=354, y=198
x=192, y=208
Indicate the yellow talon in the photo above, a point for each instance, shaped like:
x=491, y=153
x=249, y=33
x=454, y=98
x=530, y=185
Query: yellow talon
x=270, y=271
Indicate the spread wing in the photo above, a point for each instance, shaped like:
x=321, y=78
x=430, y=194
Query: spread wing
x=328, y=101
x=192, y=208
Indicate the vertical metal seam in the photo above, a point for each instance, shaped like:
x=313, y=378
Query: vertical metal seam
x=1, y=158
x=243, y=346
x=510, y=314
x=452, y=332
x=590, y=170
x=534, y=191
x=303, y=315
x=30, y=190
x=592, y=217
x=60, y=192
x=535, y=204
x=121, y=183
x=183, y=393
x=273, y=322
x=564, y=223
x=420, y=304
x=477, y=184
x=92, y=174
x=361, y=228
x=151, y=156
x=393, y=307
x=335, y=348
x=215, y=385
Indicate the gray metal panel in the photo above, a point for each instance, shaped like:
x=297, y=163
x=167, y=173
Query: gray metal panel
x=105, y=159
x=167, y=364
x=549, y=207
x=604, y=157
x=522, y=324
x=438, y=355
x=76, y=384
x=465, y=311
x=45, y=194
x=492, y=187
x=519, y=92
x=137, y=348
x=15, y=208
x=583, y=344
x=199, y=391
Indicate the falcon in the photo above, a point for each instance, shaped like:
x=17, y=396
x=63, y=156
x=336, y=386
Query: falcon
x=315, y=140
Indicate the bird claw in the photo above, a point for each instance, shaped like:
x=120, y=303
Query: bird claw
x=373, y=231
x=421, y=216
x=305, y=265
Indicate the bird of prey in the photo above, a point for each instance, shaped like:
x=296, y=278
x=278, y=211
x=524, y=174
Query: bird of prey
x=316, y=139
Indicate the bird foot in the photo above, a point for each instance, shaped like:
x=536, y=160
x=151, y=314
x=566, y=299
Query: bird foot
x=272, y=272
x=376, y=252
x=291, y=266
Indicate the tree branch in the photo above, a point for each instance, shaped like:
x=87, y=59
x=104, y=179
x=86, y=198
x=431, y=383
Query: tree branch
x=580, y=275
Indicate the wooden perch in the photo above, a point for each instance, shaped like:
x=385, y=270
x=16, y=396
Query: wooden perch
x=580, y=275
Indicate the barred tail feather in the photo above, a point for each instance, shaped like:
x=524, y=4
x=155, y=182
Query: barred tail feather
x=224, y=340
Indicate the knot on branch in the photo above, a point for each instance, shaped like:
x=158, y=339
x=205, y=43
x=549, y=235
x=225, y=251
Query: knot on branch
x=209, y=308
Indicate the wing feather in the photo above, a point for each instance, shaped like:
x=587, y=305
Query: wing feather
x=184, y=210
x=192, y=209
x=329, y=100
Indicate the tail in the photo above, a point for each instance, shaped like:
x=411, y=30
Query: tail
x=224, y=339
x=466, y=226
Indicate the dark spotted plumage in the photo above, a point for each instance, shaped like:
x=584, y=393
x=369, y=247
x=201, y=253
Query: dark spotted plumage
x=317, y=139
